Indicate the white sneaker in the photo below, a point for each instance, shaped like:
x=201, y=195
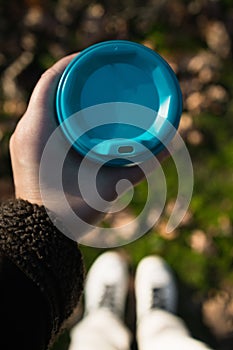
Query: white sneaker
x=107, y=284
x=154, y=286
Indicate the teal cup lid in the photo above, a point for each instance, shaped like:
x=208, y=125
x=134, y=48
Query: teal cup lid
x=118, y=103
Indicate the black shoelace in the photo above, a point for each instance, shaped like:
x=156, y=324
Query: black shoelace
x=108, y=298
x=158, y=299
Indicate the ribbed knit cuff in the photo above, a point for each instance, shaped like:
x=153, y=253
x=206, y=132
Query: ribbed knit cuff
x=51, y=260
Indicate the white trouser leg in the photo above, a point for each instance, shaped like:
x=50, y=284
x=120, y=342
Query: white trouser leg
x=100, y=330
x=161, y=330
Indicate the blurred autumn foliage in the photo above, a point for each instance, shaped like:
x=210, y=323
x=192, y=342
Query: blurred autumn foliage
x=195, y=37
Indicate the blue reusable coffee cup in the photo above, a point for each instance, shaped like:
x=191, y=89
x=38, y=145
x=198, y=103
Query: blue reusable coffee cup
x=118, y=103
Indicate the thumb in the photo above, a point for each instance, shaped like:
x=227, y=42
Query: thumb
x=43, y=97
x=39, y=120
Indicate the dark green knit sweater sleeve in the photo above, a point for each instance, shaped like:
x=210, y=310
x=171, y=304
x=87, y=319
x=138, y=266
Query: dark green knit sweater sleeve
x=51, y=260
